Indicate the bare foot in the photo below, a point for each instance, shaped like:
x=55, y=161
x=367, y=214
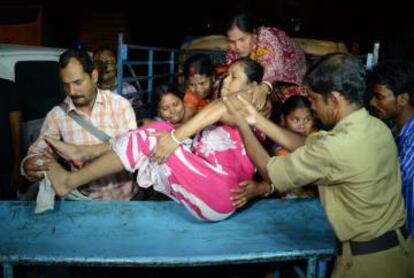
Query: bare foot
x=70, y=152
x=58, y=177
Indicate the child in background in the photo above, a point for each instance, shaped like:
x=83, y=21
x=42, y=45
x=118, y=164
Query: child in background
x=297, y=117
x=199, y=74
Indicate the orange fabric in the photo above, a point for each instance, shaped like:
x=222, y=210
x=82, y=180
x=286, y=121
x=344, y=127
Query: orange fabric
x=281, y=152
x=192, y=100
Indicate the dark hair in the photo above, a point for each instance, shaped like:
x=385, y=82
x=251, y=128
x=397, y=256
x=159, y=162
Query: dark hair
x=81, y=55
x=166, y=89
x=199, y=64
x=295, y=102
x=396, y=75
x=339, y=72
x=243, y=21
x=103, y=49
x=253, y=70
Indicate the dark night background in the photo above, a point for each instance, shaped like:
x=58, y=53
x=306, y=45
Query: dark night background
x=167, y=23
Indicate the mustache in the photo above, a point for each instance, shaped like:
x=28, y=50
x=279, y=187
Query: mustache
x=76, y=97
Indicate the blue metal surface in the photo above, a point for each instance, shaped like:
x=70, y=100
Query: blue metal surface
x=7, y=270
x=122, y=54
x=150, y=74
x=321, y=268
x=162, y=234
x=172, y=63
x=311, y=268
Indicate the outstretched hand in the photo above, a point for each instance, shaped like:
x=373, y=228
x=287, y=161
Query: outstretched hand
x=241, y=110
x=164, y=148
x=260, y=96
x=248, y=190
x=34, y=167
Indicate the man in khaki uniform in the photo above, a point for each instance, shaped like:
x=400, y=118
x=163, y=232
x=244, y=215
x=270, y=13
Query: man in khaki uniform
x=355, y=165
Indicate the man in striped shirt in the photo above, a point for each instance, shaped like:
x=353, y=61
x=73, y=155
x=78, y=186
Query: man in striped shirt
x=108, y=112
x=392, y=85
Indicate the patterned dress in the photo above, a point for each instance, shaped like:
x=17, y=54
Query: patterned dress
x=201, y=177
x=282, y=59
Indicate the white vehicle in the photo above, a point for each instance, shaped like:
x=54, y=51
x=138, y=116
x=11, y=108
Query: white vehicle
x=34, y=70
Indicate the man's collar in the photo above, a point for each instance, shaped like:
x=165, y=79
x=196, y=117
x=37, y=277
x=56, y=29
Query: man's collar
x=352, y=118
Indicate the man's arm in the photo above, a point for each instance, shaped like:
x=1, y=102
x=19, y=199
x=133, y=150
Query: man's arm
x=287, y=139
x=214, y=112
x=254, y=148
x=33, y=165
x=15, y=119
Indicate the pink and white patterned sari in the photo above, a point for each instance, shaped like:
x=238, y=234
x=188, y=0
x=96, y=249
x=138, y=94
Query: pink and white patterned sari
x=201, y=177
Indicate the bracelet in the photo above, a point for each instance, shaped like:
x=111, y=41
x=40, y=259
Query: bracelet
x=174, y=138
x=272, y=189
x=269, y=86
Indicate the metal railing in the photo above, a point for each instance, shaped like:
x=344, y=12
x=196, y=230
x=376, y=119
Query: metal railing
x=150, y=62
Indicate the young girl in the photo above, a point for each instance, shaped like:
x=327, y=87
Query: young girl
x=297, y=117
x=199, y=74
x=200, y=178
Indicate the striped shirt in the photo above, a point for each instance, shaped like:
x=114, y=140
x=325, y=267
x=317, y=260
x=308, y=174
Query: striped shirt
x=405, y=142
x=113, y=115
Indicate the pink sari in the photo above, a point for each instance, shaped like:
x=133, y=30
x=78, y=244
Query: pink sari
x=199, y=178
x=282, y=59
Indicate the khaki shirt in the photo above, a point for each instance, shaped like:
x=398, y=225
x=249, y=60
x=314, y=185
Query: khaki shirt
x=355, y=166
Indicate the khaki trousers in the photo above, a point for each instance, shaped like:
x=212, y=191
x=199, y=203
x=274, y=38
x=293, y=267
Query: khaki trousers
x=396, y=262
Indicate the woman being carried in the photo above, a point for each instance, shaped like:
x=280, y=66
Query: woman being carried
x=200, y=178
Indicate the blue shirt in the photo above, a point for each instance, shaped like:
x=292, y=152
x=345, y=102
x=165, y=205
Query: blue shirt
x=405, y=142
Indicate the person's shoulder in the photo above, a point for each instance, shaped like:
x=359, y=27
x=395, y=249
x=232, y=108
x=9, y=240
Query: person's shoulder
x=190, y=98
x=109, y=95
x=323, y=140
x=114, y=100
x=58, y=112
x=6, y=84
x=128, y=88
x=190, y=94
x=270, y=31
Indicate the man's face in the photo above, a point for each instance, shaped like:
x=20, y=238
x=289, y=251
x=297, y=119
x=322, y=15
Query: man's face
x=383, y=102
x=106, y=64
x=324, y=108
x=78, y=85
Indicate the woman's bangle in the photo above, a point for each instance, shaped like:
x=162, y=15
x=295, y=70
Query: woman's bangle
x=271, y=190
x=269, y=86
x=174, y=138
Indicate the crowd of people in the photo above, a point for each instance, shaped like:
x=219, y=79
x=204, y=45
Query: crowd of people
x=208, y=141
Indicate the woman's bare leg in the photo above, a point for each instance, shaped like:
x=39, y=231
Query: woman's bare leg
x=64, y=182
x=77, y=154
